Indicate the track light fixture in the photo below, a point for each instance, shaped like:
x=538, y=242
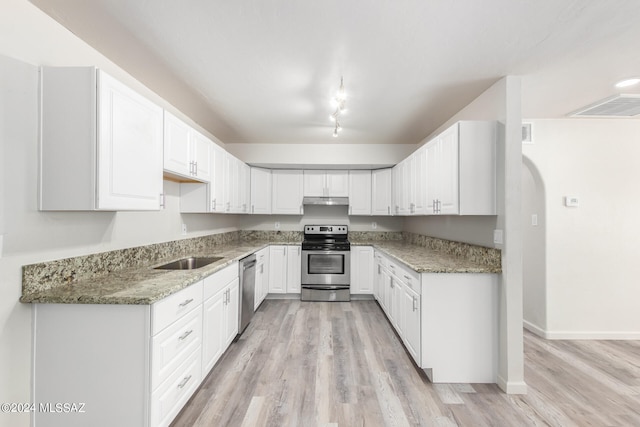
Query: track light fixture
x=339, y=101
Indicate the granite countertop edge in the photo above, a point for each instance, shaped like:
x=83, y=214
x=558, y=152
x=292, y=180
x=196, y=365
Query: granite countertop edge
x=145, y=286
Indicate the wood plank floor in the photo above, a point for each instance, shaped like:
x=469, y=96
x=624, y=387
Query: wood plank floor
x=341, y=364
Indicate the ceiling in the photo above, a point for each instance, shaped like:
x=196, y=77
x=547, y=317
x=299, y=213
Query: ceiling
x=264, y=71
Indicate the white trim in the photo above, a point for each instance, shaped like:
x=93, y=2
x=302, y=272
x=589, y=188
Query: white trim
x=580, y=335
x=513, y=387
x=592, y=335
x=534, y=328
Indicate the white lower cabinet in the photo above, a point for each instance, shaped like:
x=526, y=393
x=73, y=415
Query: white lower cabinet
x=284, y=269
x=362, y=278
x=447, y=322
x=262, y=277
x=143, y=360
x=220, y=314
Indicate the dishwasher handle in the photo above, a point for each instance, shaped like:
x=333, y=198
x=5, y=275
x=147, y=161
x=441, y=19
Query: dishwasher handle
x=248, y=264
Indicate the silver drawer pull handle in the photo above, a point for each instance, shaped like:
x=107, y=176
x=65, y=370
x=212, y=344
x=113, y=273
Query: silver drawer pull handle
x=185, y=335
x=407, y=277
x=187, y=302
x=184, y=382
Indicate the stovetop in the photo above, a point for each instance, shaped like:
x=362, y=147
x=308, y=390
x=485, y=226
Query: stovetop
x=326, y=238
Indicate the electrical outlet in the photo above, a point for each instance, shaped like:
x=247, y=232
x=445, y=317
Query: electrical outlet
x=497, y=237
x=184, y=229
x=277, y=225
x=374, y=225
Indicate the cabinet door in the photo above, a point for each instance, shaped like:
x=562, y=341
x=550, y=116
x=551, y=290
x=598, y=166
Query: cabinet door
x=385, y=290
x=129, y=148
x=410, y=312
x=232, y=188
x=201, y=148
x=448, y=173
x=219, y=179
x=294, y=260
x=381, y=196
x=260, y=191
x=419, y=176
x=232, y=313
x=401, y=187
x=315, y=183
x=432, y=154
x=177, y=155
x=257, y=293
x=362, y=270
x=337, y=183
x=213, y=330
x=360, y=192
x=244, y=184
x=277, y=269
x=286, y=197
x=395, y=301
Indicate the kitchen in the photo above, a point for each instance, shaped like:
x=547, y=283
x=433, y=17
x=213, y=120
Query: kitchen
x=31, y=237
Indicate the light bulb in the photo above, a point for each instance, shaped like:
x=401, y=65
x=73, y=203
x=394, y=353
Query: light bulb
x=335, y=133
x=332, y=117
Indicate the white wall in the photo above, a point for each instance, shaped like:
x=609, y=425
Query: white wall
x=500, y=102
x=29, y=38
x=592, y=250
x=368, y=156
x=534, y=249
x=321, y=215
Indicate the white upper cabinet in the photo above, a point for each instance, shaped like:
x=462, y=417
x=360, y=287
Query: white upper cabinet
x=187, y=152
x=360, y=192
x=326, y=183
x=101, y=145
x=218, y=195
x=202, y=156
x=461, y=170
x=260, y=191
x=401, y=187
x=381, y=200
x=286, y=195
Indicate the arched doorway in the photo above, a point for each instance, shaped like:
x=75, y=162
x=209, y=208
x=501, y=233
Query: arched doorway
x=534, y=271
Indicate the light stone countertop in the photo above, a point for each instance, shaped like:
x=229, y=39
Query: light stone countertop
x=426, y=260
x=142, y=285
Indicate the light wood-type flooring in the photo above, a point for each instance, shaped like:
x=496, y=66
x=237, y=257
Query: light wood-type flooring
x=341, y=364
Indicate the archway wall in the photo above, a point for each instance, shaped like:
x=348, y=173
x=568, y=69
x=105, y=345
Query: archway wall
x=592, y=253
x=534, y=263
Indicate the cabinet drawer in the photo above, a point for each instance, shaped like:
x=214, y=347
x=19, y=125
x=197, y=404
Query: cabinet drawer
x=170, y=347
x=406, y=275
x=170, y=309
x=218, y=280
x=381, y=259
x=171, y=396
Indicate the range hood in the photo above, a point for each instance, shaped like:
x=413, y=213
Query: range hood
x=326, y=201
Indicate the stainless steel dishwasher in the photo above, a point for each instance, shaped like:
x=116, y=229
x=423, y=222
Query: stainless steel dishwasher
x=247, y=291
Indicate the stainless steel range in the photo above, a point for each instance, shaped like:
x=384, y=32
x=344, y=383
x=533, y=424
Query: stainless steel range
x=326, y=263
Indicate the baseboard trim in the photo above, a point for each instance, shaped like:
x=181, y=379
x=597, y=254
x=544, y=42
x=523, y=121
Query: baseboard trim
x=534, y=328
x=580, y=335
x=589, y=335
x=512, y=387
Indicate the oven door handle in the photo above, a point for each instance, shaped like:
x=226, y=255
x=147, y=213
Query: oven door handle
x=325, y=288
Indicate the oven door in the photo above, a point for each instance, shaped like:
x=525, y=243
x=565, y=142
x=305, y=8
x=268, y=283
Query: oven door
x=326, y=268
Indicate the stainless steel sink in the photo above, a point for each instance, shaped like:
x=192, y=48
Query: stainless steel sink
x=190, y=263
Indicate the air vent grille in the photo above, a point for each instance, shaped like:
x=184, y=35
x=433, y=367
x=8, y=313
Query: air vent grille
x=615, y=106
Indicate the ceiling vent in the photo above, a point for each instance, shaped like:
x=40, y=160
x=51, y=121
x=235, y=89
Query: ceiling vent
x=615, y=106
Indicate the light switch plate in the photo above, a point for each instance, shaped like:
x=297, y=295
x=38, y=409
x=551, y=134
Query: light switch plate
x=571, y=201
x=184, y=229
x=497, y=237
